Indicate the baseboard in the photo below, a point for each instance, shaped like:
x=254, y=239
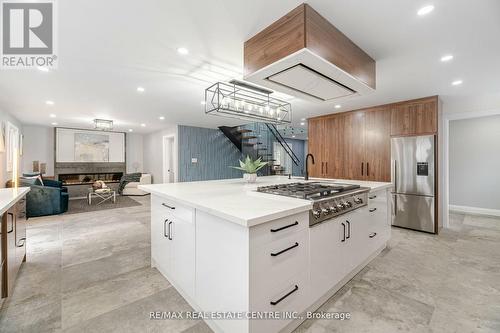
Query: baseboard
x=474, y=210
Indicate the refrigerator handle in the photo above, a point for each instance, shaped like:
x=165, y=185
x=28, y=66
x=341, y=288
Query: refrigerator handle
x=395, y=176
x=395, y=204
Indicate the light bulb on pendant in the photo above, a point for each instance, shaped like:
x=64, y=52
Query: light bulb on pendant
x=271, y=112
x=267, y=108
x=261, y=110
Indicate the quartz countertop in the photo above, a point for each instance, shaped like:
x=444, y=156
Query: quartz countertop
x=239, y=202
x=9, y=196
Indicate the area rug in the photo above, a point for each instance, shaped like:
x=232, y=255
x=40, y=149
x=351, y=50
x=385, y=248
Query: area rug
x=81, y=205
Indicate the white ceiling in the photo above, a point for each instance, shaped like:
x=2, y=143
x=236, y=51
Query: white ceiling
x=109, y=48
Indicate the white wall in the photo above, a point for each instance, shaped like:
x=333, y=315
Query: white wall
x=38, y=146
x=4, y=118
x=153, y=153
x=474, y=162
x=135, y=152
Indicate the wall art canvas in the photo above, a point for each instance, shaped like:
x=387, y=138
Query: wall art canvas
x=90, y=147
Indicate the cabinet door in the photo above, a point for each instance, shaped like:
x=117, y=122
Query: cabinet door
x=327, y=267
x=426, y=118
x=403, y=119
x=333, y=154
x=355, y=249
x=161, y=247
x=378, y=145
x=354, y=153
x=316, y=146
x=182, y=238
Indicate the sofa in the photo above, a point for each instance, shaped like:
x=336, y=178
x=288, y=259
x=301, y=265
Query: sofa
x=46, y=197
x=131, y=188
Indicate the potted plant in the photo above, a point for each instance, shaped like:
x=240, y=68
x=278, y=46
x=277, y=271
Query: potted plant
x=250, y=168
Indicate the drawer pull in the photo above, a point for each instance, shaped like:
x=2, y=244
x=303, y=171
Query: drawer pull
x=348, y=229
x=343, y=239
x=372, y=197
x=282, y=298
x=165, y=228
x=372, y=210
x=285, y=227
x=373, y=234
x=23, y=240
x=283, y=251
x=165, y=205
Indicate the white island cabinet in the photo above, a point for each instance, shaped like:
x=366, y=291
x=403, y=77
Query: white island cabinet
x=232, y=251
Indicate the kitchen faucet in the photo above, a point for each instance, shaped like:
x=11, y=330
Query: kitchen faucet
x=306, y=176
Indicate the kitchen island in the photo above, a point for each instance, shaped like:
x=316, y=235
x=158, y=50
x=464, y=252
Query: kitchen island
x=250, y=256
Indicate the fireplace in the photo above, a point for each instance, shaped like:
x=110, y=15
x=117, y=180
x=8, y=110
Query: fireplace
x=89, y=178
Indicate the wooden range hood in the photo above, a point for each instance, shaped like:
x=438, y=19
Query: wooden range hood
x=304, y=55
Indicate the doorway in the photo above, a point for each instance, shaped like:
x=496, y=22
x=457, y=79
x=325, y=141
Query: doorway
x=168, y=159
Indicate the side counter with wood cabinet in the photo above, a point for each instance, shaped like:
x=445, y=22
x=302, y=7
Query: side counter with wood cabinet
x=356, y=145
x=13, y=237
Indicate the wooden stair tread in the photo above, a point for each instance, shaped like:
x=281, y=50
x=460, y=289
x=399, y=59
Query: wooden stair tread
x=242, y=131
x=248, y=137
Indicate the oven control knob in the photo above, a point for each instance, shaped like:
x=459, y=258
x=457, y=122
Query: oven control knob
x=325, y=211
x=340, y=207
x=316, y=213
x=358, y=200
x=348, y=204
x=333, y=209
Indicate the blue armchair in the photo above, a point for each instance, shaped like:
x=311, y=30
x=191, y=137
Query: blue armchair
x=48, y=199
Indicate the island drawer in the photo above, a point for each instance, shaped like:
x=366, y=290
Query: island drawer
x=273, y=264
x=168, y=207
x=289, y=296
x=279, y=229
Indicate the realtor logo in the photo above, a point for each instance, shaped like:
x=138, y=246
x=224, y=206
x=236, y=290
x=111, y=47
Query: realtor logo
x=28, y=34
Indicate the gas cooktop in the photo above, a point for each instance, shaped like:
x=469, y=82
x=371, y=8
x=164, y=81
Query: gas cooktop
x=329, y=199
x=310, y=191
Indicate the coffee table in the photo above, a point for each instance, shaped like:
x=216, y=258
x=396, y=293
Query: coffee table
x=101, y=196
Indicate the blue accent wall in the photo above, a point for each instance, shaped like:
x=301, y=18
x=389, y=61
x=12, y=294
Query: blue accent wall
x=215, y=153
x=298, y=147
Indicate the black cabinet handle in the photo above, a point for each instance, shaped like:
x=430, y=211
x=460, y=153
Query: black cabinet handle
x=373, y=234
x=165, y=205
x=170, y=230
x=285, y=227
x=21, y=240
x=367, y=168
x=12, y=223
x=372, y=197
x=165, y=228
x=283, y=251
x=362, y=168
x=322, y=164
x=372, y=210
x=282, y=298
x=343, y=239
x=348, y=229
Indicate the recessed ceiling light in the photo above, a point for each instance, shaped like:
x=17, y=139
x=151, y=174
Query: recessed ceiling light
x=130, y=130
x=293, y=136
x=161, y=118
x=302, y=124
x=182, y=50
x=338, y=106
x=143, y=125
x=141, y=89
x=203, y=102
x=52, y=115
x=457, y=82
x=303, y=119
x=425, y=10
x=54, y=124
x=446, y=58
x=43, y=69
x=49, y=102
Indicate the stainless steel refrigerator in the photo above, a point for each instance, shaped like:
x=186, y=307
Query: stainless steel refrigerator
x=413, y=178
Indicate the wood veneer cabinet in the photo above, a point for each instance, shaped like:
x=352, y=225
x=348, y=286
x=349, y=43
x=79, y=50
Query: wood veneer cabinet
x=357, y=144
x=416, y=117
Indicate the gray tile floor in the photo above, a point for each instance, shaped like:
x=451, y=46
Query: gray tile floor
x=91, y=272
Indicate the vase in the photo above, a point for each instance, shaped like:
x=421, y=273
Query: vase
x=250, y=177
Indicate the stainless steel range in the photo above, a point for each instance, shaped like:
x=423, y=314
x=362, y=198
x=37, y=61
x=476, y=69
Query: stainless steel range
x=329, y=199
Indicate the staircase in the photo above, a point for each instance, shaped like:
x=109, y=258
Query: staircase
x=256, y=140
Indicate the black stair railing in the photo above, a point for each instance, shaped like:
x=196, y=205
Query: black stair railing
x=272, y=128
